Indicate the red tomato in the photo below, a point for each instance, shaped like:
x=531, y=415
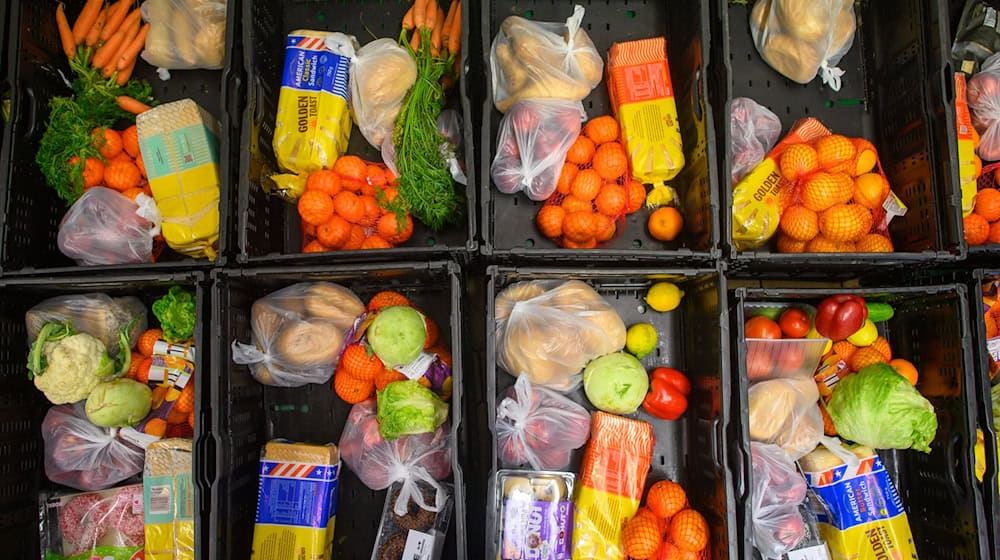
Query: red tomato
x=758, y=365
x=790, y=358
x=794, y=323
x=762, y=327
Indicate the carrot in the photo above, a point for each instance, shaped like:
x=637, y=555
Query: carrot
x=132, y=49
x=132, y=105
x=438, y=28
x=87, y=18
x=408, y=19
x=431, y=14
x=116, y=16
x=125, y=73
x=130, y=34
x=95, y=31
x=455, y=35
x=447, y=23
x=419, y=7
x=134, y=17
x=415, y=40
x=107, y=52
x=65, y=33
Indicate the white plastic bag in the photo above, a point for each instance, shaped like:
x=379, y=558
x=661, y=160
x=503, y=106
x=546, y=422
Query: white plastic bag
x=106, y=227
x=984, y=102
x=532, y=144
x=535, y=60
x=778, y=489
x=785, y=412
x=381, y=74
x=184, y=34
x=410, y=460
x=800, y=38
x=298, y=333
x=81, y=455
x=550, y=330
x=539, y=427
x=754, y=130
x=98, y=315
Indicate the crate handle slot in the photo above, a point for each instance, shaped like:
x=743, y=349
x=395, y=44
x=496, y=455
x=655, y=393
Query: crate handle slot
x=28, y=115
x=205, y=456
x=948, y=83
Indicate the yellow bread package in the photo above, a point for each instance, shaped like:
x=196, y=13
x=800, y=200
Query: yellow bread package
x=297, y=501
x=313, y=123
x=860, y=514
x=969, y=164
x=169, y=500
x=179, y=143
x=643, y=99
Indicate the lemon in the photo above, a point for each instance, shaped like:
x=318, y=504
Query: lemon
x=664, y=296
x=813, y=333
x=865, y=336
x=640, y=339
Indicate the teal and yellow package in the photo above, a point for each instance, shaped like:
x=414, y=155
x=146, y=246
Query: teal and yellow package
x=297, y=502
x=313, y=122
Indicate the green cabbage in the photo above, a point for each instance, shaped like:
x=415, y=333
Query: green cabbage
x=397, y=335
x=616, y=383
x=407, y=407
x=119, y=402
x=879, y=408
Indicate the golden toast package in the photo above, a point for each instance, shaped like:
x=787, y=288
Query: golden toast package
x=297, y=503
x=169, y=500
x=643, y=99
x=969, y=164
x=313, y=123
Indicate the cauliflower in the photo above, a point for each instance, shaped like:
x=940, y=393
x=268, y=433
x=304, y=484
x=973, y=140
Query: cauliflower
x=69, y=365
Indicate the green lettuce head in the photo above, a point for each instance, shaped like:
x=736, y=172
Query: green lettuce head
x=407, y=407
x=879, y=408
x=177, y=314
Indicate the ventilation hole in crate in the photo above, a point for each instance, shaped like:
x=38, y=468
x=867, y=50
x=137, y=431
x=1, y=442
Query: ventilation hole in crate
x=531, y=13
x=750, y=83
x=805, y=110
x=788, y=110
x=430, y=241
x=636, y=243
x=630, y=14
x=529, y=242
x=320, y=16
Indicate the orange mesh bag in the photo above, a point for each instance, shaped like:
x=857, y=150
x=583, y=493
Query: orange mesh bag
x=595, y=190
x=354, y=195
x=610, y=486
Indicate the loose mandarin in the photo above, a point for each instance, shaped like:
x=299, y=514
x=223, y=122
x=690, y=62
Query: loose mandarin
x=665, y=223
x=799, y=223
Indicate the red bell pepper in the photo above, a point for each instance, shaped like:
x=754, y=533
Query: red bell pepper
x=840, y=316
x=668, y=393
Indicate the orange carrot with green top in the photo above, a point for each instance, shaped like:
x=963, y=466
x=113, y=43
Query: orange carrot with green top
x=132, y=105
x=133, y=48
x=455, y=35
x=95, y=31
x=87, y=18
x=107, y=52
x=65, y=33
x=408, y=19
x=116, y=16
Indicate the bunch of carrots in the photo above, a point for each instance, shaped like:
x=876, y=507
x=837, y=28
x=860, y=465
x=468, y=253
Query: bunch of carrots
x=445, y=30
x=110, y=36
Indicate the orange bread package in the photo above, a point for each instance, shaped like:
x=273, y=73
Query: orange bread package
x=609, y=488
x=643, y=99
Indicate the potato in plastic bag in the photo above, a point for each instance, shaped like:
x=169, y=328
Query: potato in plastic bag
x=533, y=60
x=98, y=315
x=298, y=333
x=184, y=34
x=381, y=74
x=105, y=227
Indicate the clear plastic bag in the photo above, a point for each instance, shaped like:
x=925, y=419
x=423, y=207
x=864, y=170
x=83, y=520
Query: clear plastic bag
x=778, y=489
x=977, y=37
x=549, y=330
x=802, y=38
x=755, y=131
x=81, y=455
x=184, y=34
x=410, y=460
x=537, y=60
x=299, y=333
x=105, y=525
x=539, y=427
x=784, y=412
x=106, y=227
x=381, y=74
x=984, y=102
x=532, y=144
x=98, y=315
x=449, y=125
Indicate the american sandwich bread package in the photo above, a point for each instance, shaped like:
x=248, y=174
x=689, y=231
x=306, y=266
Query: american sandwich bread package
x=297, y=501
x=313, y=123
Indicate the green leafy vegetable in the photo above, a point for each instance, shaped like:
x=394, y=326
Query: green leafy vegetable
x=879, y=408
x=397, y=335
x=616, y=383
x=176, y=312
x=119, y=402
x=72, y=120
x=407, y=407
x=425, y=182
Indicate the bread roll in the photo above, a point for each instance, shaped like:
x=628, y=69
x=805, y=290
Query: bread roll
x=513, y=294
x=266, y=320
x=758, y=18
x=333, y=302
x=843, y=30
x=308, y=343
x=795, y=59
x=807, y=20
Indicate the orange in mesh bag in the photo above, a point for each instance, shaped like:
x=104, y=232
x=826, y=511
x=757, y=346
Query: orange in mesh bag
x=827, y=193
x=610, y=485
x=594, y=192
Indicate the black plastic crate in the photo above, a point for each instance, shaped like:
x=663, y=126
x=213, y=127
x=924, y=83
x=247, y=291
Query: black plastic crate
x=897, y=92
x=693, y=451
x=32, y=211
x=269, y=228
x=250, y=414
x=23, y=407
x=930, y=328
x=990, y=483
x=508, y=221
